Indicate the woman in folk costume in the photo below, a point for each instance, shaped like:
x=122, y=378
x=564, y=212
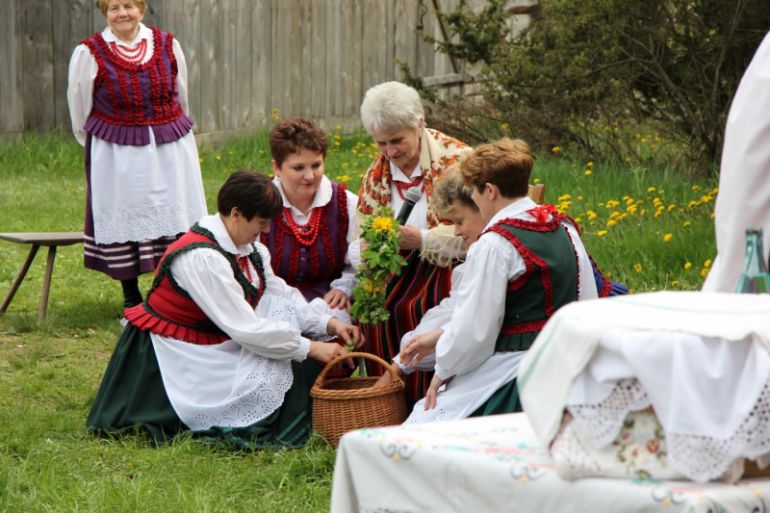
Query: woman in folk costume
x=744, y=189
x=309, y=240
x=411, y=155
x=127, y=96
x=205, y=352
x=528, y=261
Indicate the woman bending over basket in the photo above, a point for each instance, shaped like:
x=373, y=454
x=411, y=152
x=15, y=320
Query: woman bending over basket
x=208, y=352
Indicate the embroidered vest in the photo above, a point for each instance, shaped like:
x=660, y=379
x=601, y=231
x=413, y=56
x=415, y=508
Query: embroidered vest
x=130, y=97
x=312, y=268
x=170, y=311
x=549, y=282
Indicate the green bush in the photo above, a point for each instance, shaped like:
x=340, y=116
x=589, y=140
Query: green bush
x=587, y=73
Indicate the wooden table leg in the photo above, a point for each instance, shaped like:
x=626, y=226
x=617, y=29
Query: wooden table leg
x=46, y=282
x=20, y=277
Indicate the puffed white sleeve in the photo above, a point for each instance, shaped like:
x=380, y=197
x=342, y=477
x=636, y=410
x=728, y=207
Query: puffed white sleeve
x=181, y=76
x=80, y=89
x=314, y=316
x=347, y=279
x=208, y=277
x=586, y=282
x=471, y=335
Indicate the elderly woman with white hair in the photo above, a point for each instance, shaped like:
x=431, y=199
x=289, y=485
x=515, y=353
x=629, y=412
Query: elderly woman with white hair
x=411, y=156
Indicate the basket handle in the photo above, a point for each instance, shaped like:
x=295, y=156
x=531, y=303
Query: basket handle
x=319, y=382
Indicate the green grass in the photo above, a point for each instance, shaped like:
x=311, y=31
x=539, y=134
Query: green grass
x=49, y=371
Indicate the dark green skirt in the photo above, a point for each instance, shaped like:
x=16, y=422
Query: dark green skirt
x=504, y=400
x=132, y=399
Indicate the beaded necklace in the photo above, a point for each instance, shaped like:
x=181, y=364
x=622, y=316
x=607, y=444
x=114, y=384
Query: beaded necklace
x=308, y=233
x=402, y=187
x=133, y=55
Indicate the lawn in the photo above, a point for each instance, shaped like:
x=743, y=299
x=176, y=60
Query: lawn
x=646, y=227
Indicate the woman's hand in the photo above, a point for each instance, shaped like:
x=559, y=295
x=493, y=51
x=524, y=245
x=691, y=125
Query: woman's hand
x=418, y=347
x=411, y=237
x=347, y=332
x=432, y=393
x=324, y=352
x=337, y=299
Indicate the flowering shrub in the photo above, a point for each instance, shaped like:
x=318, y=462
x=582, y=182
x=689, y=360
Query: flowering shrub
x=381, y=259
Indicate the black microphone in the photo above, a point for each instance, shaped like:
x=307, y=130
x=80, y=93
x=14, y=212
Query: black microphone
x=412, y=196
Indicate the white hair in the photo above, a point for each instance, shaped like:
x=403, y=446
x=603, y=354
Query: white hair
x=391, y=106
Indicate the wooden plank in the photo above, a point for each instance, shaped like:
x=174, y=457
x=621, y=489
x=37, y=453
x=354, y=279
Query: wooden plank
x=37, y=65
x=405, y=37
x=242, y=66
x=354, y=90
x=261, y=88
x=308, y=82
x=292, y=38
x=372, y=43
x=12, y=118
x=278, y=64
x=72, y=22
x=319, y=80
x=212, y=101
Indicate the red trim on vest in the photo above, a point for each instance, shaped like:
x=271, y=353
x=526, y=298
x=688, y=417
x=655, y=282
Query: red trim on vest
x=524, y=327
x=169, y=313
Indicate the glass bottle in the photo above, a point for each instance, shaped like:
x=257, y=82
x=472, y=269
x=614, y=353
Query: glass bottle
x=754, y=278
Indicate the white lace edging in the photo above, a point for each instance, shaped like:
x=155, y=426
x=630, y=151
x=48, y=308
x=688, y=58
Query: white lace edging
x=700, y=458
x=143, y=220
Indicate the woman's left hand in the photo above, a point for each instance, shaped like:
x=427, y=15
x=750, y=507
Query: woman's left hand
x=432, y=393
x=347, y=332
x=337, y=299
x=411, y=237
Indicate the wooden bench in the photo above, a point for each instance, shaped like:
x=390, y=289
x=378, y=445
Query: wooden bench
x=50, y=239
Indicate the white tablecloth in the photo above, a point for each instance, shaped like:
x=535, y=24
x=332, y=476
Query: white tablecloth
x=492, y=464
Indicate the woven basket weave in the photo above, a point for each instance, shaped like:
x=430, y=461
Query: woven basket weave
x=344, y=404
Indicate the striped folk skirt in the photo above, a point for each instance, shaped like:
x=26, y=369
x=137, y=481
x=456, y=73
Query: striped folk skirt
x=419, y=287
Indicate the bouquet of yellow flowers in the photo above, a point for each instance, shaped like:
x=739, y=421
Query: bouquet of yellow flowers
x=380, y=260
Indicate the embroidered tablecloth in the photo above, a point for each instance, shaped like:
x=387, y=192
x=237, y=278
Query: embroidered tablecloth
x=496, y=463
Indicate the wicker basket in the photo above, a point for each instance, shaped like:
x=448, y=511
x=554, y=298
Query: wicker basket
x=344, y=404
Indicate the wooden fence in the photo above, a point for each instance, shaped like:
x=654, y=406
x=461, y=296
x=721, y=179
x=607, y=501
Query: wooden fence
x=247, y=59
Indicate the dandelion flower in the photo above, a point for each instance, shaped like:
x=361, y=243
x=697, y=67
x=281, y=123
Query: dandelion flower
x=638, y=268
x=675, y=283
x=686, y=224
x=601, y=233
x=707, y=262
x=687, y=265
x=587, y=172
x=667, y=237
x=555, y=150
x=382, y=223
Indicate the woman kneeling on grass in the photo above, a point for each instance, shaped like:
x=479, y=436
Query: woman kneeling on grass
x=201, y=355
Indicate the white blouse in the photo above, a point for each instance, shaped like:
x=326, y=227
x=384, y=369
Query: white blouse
x=323, y=196
x=492, y=262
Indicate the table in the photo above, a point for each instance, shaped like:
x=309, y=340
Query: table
x=52, y=240
x=496, y=463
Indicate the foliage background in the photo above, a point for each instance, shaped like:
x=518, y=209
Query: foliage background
x=587, y=75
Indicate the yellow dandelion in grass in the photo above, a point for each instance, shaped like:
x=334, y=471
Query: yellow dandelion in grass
x=343, y=178
x=631, y=209
x=638, y=268
x=611, y=204
x=218, y=157
x=611, y=223
x=587, y=172
x=712, y=215
x=667, y=237
x=580, y=198
x=200, y=160
x=707, y=263
x=578, y=219
x=601, y=233
x=382, y=223
x=591, y=215
x=589, y=164
x=555, y=150
x=536, y=180
x=687, y=265
x=565, y=197
x=651, y=189
x=696, y=188
x=675, y=283
x=686, y=224
x=704, y=272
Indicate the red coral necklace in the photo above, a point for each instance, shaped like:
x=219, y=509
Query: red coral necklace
x=133, y=55
x=306, y=234
x=402, y=187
